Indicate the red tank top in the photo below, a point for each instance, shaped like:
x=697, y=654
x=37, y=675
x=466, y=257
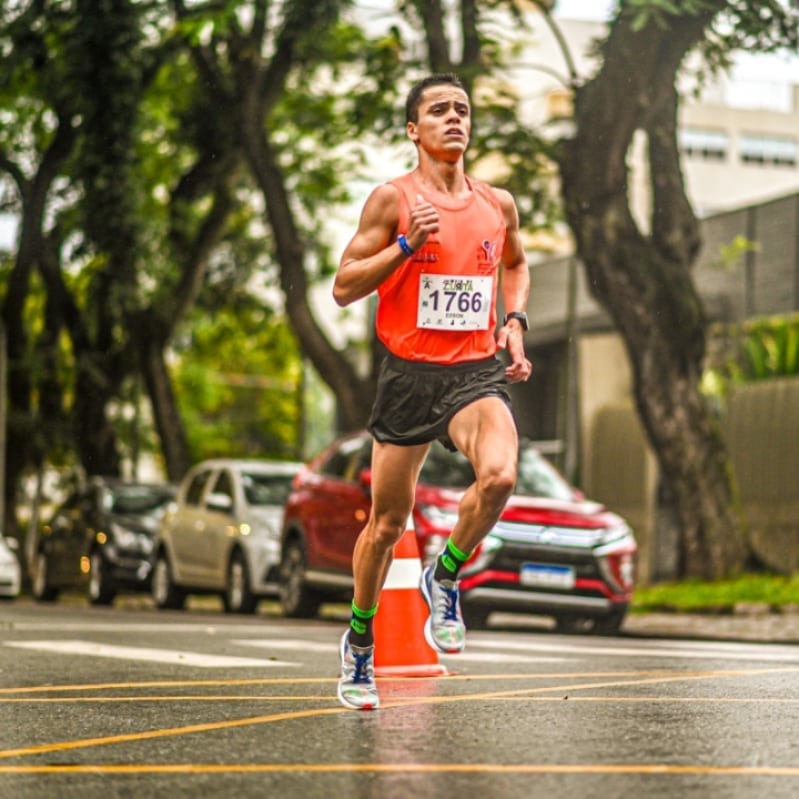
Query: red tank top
x=439, y=306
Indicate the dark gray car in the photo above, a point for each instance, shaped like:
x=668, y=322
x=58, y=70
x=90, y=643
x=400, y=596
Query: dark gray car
x=100, y=540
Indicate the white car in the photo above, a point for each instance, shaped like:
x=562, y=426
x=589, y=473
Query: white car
x=222, y=536
x=10, y=575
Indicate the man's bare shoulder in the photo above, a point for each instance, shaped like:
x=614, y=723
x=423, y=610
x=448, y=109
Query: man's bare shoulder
x=504, y=197
x=381, y=208
x=386, y=195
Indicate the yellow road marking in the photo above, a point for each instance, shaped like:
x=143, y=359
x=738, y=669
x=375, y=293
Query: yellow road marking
x=63, y=746
x=313, y=680
x=405, y=768
x=414, y=701
x=411, y=699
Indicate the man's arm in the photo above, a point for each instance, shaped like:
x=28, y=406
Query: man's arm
x=515, y=290
x=373, y=254
x=369, y=259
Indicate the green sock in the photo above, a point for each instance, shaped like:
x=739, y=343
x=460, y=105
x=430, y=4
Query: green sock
x=449, y=562
x=361, y=626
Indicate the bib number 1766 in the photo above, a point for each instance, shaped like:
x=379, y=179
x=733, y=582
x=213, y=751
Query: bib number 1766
x=447, y=303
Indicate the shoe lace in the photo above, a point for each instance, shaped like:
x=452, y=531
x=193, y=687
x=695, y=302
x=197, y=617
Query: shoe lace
x=449, y=603
x=363, y=670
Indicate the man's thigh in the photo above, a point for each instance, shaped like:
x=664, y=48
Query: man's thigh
x=395, y=470
x=485, y=432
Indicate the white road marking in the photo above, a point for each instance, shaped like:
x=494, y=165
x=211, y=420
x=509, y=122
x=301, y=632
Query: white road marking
x=296, y=644
x=155, y=627
x=164, y=656
x=314, y=646
x=704, y=651
x=498, y=657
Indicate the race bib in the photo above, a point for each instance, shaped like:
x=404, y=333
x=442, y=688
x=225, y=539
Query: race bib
x=454, y=303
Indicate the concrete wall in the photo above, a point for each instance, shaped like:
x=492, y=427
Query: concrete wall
x=761, y=426
x=762, y=430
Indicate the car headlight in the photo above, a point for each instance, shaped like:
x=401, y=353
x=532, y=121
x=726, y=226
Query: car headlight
x=130, y=540
x=612, y=536
x=616, y=558
x=146, y=544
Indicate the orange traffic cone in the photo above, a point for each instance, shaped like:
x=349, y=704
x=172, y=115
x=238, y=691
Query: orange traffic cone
x=400, y=646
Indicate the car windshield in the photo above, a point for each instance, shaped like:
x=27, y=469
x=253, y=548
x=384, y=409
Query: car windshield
x=140, y=500
x=266, y=489
x=536, y=478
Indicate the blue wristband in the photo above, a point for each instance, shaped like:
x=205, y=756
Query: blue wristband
x=404, y=246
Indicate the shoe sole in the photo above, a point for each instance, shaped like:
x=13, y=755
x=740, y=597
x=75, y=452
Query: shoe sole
x=428, y=626
x=344, y=701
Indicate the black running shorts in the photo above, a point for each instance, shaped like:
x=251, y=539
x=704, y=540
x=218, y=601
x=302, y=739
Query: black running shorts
x=416, y=401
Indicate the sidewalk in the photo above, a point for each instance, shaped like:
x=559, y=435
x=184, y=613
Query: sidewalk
x=749, y=623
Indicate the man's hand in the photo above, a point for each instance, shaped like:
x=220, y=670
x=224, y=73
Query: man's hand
x=423, y=222
x=511, y=338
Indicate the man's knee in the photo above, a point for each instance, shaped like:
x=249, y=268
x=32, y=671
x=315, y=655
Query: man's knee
x=387, y=528
x=497, y=484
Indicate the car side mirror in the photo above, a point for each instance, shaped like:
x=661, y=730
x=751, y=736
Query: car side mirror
x=223, y=503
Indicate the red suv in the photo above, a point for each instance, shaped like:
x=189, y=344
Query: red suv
x=552, y=552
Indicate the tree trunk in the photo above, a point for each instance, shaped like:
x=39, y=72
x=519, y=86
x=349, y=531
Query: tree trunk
x=95, y=438
x=644, y=281
x=168, y=422
x=33, y=194
x=354, y=395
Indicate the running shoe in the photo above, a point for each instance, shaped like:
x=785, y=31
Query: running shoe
x=356, y=687
x=444, y=629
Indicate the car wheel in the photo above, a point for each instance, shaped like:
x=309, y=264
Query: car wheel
x=100, y=589
x=238, y=597
x=42, y=590
x=475, y=617
x=297, y=600
x=574, y=625
x=610, y=624
x=166, y=595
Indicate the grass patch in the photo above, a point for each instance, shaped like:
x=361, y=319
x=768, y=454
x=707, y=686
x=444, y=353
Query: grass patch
x=720, y=596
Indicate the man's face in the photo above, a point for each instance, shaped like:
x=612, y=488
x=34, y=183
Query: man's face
x=444, y=122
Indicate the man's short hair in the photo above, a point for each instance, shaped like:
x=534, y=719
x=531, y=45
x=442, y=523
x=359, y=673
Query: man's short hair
x=415, y=94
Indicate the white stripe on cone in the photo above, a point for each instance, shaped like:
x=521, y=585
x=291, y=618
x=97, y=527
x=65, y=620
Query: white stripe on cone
x=404, y=573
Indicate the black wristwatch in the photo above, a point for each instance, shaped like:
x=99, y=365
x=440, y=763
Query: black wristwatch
x=520, y=315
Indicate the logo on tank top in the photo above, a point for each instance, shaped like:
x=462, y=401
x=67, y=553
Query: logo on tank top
x=487, y=253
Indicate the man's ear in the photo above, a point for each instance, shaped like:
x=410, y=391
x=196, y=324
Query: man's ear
x=412, y=132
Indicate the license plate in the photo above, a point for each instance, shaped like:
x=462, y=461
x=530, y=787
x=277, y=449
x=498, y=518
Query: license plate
x=545, y=575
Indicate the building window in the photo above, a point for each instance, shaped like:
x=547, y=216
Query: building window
x=776, y=150
x=711, y=145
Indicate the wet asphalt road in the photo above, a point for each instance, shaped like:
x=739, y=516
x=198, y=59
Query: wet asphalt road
x=128, y=702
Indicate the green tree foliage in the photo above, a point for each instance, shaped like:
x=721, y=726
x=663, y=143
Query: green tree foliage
x=238, y=374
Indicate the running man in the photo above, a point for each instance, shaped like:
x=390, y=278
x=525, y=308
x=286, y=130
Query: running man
x=437, y=246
